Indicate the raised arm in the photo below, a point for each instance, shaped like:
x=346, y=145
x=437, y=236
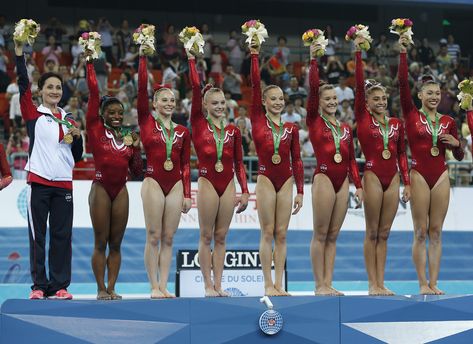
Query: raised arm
x=407, y=104
x=256, y=114
x=354, y=171
x=143, y=102
x=297, y=166
x=313, y=99
x=360, y=101
x=185, y=165
x=93, y=106
x=196, y=108
x=238, y=162
x=27, y=107
x=402, y=156
x=469, y=116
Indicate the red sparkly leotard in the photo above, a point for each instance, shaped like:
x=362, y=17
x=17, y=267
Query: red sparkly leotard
x=204, y=144
x=419, y=134
x=469, y=115
x=154, y=142
x=371, y=137
x=289, y=147
x=112, y=158
x=322, y=140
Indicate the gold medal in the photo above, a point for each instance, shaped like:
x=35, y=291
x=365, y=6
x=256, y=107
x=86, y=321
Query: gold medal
x=128, y=140
x=168, y=165
x=68, y=138
x=386, y=154
x=337, y=158
x=434, y=151
x=219, y=166
x=276, y=159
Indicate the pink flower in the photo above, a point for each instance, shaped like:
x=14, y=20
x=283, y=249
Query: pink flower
x=351, y=31
x=251, y=23
x=408, y=22
x=85, y=35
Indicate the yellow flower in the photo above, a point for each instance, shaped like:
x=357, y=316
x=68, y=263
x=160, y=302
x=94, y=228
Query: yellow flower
x=310, y=34
x=399, y=22
x=192, y=30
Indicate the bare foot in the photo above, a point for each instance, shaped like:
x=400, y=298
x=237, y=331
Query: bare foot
x=271, y=291
x=114, y=295
x=103, y=295
x=282, y=291
x=324, y=291
x=211, y=292
x=375, y=291
x=436, y=290
x=222, y=292
x=426, y=290
x=167, y=294
x=387, y=292
x=337, y=292
x=157, y=294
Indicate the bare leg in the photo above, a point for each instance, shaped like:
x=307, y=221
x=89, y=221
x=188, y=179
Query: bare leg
x=440, y=198
x=420, y=204
x=207, y=205
x=338, y=216
x=224, y=218
x=100, y=209
x=388, y=212
x=266, y=206
x=323, y=201
x=117, y=230
x=373, y=203
x=172, y=215
x=153, y=207
x=283, y=216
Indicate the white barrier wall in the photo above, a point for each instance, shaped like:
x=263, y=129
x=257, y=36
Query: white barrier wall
x=13, y=205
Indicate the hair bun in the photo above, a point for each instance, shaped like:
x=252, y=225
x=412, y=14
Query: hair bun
x=206, y=88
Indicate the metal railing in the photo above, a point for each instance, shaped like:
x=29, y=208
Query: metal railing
x=460, y=171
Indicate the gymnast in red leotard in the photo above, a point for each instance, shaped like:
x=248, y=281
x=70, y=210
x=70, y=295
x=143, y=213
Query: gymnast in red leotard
x=5, y=173
x=166, y=189
x=383, y=143
x=114, y=153
x=333, y=146
x=279, y=160
x=429, y=135
x=220, y=153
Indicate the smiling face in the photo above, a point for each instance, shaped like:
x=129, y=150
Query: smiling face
x=215, y=103
x=164, y=102
x=51, y=92
x=113, y=115
x=273, y=100
x=329, y=101
x=430, y=96
x=377, y=101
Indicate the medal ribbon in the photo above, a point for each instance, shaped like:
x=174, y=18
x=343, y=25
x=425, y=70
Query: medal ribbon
x=276, y=137
x=119, y=133
x=68, y=124
x=169, y=138
x=384, y=131
x=218, y=141
x=336, y=133
x=431, y=127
